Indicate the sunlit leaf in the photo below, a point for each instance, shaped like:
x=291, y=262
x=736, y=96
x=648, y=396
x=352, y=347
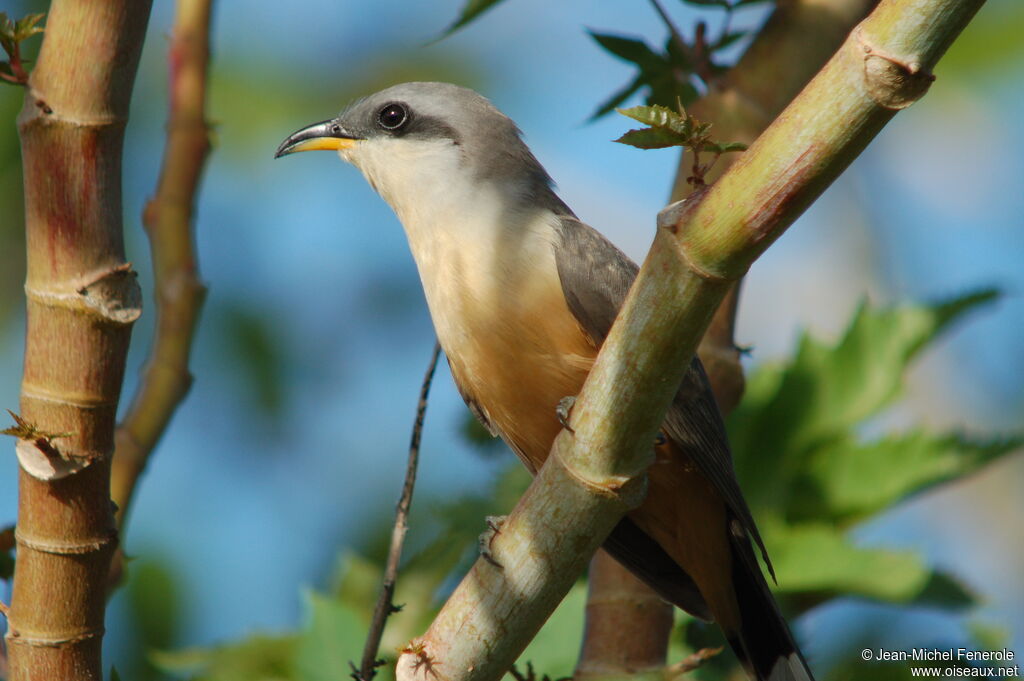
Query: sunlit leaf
x=652, y=138
x=827, y=390
x=26, y=26
x=858, y=480
x=819, y=559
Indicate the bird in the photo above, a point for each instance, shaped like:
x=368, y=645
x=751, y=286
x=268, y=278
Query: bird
x=522, y=294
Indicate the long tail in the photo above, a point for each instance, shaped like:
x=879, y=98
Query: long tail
x=762, y=640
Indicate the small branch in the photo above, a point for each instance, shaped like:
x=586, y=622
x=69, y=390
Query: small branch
x=690, y=662
x=12, y=34
x=385, y=606
x=701, y=248
x=168, y=219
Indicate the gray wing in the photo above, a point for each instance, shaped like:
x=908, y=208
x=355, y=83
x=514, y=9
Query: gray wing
x=595, y=277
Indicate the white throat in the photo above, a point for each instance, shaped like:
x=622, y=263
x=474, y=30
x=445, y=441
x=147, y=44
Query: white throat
x=475, y=246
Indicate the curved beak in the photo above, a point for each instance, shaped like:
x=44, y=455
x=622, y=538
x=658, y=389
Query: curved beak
x=323, y=135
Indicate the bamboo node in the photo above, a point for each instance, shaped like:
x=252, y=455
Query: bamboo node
x=16, y=637
x=675, y=218
x=37, y=453
x=114, y=294
x=629, y=491
x=60, y=548
x=892, y=82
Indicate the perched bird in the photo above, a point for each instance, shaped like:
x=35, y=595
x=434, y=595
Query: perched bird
x=522, y=295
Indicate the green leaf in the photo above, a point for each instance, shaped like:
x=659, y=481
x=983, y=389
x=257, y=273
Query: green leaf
x=652, y=138
x=656, y=116
x=114, y=676
x=256, y=657
x=26, y=26
x=992, y=43
x=617, y=98
x=818, y=561
x=154, y=598
x=946, y=592
x=727, y=39
x=470, y=11
x=332, y=637
x=629, y=49
x=357, y=580
x=858, y=480
x=666, y=75
x=827, y=390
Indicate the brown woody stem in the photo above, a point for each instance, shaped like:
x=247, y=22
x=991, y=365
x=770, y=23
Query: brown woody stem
x=82, y=300
x=168, y=219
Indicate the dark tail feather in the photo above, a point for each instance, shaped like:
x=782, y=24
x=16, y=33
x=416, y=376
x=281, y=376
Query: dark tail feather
x=763, y=643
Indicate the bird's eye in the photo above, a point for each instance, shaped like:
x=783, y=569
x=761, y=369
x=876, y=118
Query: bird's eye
x=335, y=129
x=392, y=117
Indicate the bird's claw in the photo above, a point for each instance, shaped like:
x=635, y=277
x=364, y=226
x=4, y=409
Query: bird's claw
x=494, y=524
x=564, y=410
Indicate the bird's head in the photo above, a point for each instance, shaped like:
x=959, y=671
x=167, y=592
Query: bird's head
x=416, y=140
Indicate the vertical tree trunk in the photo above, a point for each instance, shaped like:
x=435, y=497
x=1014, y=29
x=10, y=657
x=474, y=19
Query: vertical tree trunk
x=627, y=627
x=82, y=300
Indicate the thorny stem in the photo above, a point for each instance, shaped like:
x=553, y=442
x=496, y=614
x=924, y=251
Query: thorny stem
x=368, y=667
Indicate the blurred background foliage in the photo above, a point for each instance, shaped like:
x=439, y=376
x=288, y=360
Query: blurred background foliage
x=260, y=528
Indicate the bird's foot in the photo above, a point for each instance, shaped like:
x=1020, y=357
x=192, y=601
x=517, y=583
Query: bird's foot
x=494, y=524
x=564, y=411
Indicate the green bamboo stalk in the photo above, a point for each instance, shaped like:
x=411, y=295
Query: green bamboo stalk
x=596, y=473
x=82, y=299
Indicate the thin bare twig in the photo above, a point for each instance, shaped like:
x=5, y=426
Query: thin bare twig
x=385, y=606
